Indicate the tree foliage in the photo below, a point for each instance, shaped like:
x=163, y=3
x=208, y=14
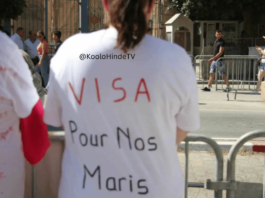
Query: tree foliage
x=11, y=9
x=218, y=10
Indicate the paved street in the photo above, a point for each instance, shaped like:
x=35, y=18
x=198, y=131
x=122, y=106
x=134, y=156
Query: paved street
x=230, y=119
x=249, y=168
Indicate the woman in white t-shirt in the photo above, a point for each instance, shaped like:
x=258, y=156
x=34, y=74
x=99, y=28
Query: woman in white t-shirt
x=124, y=98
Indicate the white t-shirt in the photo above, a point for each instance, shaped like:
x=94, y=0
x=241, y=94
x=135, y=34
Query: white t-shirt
x=120, y=116
x=31, y=48
x=17, y=98
x=17, y=39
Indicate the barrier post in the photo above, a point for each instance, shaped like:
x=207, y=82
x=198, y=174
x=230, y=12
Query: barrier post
x=231, y=193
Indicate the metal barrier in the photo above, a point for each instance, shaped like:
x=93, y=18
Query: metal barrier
x=219, y=160
x=239, y=70
x=234, y=188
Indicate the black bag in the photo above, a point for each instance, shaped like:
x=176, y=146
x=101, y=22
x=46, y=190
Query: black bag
x=35, y=60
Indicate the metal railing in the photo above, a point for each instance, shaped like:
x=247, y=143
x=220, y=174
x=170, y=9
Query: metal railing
x=240, y=70
x=235, y=189
x=219, y=160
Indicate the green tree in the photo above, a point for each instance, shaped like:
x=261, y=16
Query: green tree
x=11, y=9
x=207, y=10
x=248, y=10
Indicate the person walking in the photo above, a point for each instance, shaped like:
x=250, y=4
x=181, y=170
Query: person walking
x=44, y=61
x=23, y=135
x=124, y=105
x=218, y=51
x=261, y=73
x=30, y=46
x=18, y=36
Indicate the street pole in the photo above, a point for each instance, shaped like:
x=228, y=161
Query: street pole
x=46, y=19
x=84, y=15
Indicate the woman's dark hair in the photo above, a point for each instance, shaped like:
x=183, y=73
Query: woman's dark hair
x=42, y=33
x=58, y=34
x=128, y=18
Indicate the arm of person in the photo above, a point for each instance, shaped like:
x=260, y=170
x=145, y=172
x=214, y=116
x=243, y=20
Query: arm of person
x=188, y=118
x=42, y=55
x=260, y=51
x=221, y=51
x=181, y=135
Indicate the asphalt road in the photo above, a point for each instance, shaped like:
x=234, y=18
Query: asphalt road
x=230, y=123
x=230, y=119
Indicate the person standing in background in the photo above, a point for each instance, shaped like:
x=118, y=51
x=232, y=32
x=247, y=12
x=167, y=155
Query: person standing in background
x=23, y=135
x=17, y=37
x=30, y=46
x=57, y=38
x=261, y=73
x=44, y=61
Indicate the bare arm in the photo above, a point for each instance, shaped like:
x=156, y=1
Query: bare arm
x=260, y=50
x=181, y=135
x=43, y=53
x=221, y=51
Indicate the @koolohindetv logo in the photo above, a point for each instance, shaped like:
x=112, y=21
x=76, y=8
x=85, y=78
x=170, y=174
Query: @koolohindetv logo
x=107, y=56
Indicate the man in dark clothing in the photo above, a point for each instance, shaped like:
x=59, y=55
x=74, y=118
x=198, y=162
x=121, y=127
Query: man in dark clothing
x=218, y=51
x=57, y=38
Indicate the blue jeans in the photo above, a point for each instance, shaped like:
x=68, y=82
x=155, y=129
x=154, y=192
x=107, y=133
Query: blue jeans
x=262, y=66
x=221, y=66
x=44, y=69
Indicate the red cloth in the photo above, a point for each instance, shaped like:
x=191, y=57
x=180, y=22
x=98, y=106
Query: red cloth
x=34, y=133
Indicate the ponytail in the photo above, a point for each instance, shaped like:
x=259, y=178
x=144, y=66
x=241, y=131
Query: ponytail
x=128, y=18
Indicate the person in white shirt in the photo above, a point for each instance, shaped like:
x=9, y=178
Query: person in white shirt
x=30, y=46
x=125, y=99
x=17, y=37
x=23, y=135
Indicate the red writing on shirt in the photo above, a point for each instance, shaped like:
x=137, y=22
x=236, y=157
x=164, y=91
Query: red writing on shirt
x=4, y=134
x=2, y=115
x=79, y=100
x=141, y=89
x=2, y=175
x=4, y=69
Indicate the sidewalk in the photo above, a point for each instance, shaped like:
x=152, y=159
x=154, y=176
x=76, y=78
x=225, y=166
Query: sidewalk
x=235, y=116
x=249, y=168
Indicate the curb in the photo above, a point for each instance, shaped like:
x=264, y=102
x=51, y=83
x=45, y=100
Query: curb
x=225, y=145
